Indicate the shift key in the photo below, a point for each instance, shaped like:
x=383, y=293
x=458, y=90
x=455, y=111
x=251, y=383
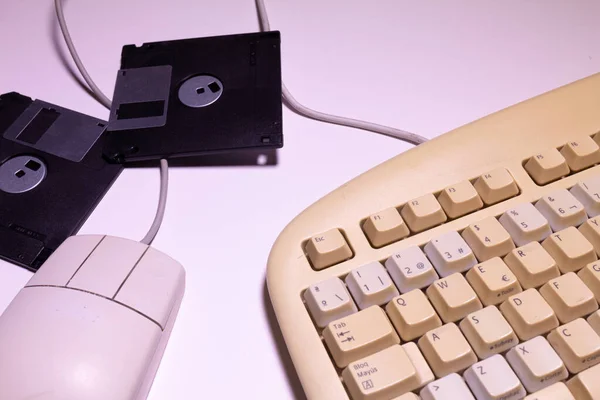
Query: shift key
x=359, y=335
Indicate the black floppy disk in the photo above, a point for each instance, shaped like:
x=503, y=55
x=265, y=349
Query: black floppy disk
x=52, y=176
x=198, y=96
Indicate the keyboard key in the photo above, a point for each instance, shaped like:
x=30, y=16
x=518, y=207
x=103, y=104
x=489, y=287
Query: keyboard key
x=327, y=249
x=385, y=227
x=590, y=275
x=536, y=364
x=450, y=387
x=412, y=315
x=423, y=213
x=525, y=224
x=359, y=335
x=581, y=153
x=493, y=281
x=371, y=285
x=460, y=199
x=547, y=166
x=407, y=396
x=381, y=375
x=488, y=239
x=328, y=300
x=446, y=350
x=594, y=321
x=590, y=229
x=495, y=186
x=492, y=379
x=557, y=391
x=577, y=344
x=449, y=253
x=569, y=297
x=410, y=269
x=424, y=373
x=561, y=209
x=586, y=385
x=532, y=265
x=588, y=193
x=570, y=249
x=488, y=332
x=529, y=314
x=453, y=298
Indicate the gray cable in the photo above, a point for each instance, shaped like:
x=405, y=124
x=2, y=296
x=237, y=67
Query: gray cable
x=164, y=165
x=294, y=105
x=63, y=27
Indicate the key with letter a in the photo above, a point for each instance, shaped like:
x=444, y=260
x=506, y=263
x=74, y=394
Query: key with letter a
x=446, y=350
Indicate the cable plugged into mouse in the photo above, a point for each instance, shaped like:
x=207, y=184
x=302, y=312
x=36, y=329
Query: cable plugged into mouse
x=92, y=323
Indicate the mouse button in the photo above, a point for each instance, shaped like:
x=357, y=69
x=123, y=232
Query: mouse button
x=108, y=266
x=65, y=260
x=153, y=286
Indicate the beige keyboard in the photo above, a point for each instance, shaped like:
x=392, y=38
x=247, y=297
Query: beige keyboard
x=465, y=268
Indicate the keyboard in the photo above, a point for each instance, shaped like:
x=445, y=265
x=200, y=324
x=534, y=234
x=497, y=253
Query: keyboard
x=464, y=268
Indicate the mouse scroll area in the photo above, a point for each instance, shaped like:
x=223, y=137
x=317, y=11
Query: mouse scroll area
x=62, y=343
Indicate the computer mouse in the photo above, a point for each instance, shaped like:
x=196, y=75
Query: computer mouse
x=92, y=323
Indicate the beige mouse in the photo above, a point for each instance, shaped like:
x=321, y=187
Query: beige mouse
x=91, y=324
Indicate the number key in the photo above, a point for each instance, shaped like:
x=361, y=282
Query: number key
x=561, y=209
x=450, y=253
x=588, y=193
x=371, y=285
x=525, y=224
x=488, y=239
x=410, y=269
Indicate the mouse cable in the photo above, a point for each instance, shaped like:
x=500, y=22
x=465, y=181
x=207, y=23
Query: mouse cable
x=101, y=97
x=299, y=108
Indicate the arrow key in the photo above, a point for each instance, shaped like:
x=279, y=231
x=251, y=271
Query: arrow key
x=450, y=387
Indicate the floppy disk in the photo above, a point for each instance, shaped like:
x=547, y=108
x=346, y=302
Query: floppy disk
x=52, y=176
x=192, y=97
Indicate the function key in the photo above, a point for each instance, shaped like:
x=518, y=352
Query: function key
x=588, y=193
x=327, y=249
x=495, y=186
x=460, y=199
x=385, y=227
x=329, y=300
x=581, y=153
x=423, y=213
x=547, y=167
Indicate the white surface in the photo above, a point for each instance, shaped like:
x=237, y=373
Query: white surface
x=413, y=65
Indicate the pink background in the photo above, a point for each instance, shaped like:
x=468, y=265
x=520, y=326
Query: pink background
x=427, y=67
